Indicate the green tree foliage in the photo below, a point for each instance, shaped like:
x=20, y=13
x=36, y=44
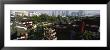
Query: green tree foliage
x=46, y=18
x=87, y=35
x=43, y=17
x=35, y=19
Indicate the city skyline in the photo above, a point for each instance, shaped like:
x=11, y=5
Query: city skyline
x=60, y=12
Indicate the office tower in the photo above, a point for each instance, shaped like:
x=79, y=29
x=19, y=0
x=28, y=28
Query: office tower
x=67, y=12
x=80, y=13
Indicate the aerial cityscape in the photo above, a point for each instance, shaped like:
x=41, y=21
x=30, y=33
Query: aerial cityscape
x=55, y=24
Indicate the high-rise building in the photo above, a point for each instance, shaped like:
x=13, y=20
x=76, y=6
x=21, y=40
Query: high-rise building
x=67, y=13
x=34, y=13
x=81, y=13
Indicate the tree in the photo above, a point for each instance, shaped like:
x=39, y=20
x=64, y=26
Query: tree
x=87, y=35
x=51, y=18
x=35, y=18
x=43, y=17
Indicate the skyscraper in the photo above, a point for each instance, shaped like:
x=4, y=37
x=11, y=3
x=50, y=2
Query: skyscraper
x=81, y=13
